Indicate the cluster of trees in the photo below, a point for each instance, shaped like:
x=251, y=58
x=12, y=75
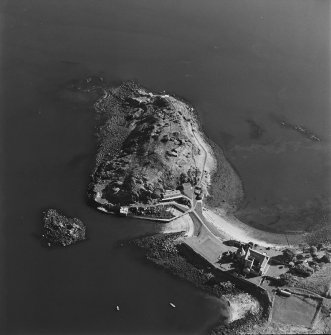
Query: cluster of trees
x=301, y=267
x=192, y=176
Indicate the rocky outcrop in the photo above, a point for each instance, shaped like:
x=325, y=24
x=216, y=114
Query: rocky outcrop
x=61, y=230
x=150, y=143
x=147, y=146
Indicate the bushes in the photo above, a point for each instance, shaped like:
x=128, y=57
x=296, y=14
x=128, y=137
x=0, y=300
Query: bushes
x=302, y=270
x=326, y=258
x=289, y=254
x=160, y=102
x=286, y=279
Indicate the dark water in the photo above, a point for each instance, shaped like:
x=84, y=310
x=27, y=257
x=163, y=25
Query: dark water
x=234, y=60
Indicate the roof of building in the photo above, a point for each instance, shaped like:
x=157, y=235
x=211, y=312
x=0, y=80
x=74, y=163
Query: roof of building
x=263, y=259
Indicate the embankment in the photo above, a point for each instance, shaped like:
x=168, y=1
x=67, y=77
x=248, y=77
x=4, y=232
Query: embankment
x=169, y=252
x=242, y=285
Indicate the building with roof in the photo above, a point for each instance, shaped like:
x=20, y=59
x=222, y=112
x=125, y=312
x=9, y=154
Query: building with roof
x=255, y=262
x=124, y=210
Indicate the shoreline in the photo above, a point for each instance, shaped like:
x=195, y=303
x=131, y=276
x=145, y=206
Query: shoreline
x=224, y=187
x=224, y=217
x=217, y=183
x=218, y=153
x=244, y=308
x=229, y=227
x=232, y=227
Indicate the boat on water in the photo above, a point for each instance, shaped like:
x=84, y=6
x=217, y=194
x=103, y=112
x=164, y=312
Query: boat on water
x=117, y=308
x=172, y=305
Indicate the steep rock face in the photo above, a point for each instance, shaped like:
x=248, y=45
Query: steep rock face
x=61, y=230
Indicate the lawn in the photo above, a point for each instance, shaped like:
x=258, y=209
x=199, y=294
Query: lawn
x=294, y=310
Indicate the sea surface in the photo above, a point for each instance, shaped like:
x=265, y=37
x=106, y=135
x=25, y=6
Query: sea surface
x=244, y=65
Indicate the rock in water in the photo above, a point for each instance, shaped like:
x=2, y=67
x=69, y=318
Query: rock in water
x=61, y=230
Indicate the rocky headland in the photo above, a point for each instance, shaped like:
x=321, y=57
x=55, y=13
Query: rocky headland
x=61, y=230
x=151, y=143
x=155, y=163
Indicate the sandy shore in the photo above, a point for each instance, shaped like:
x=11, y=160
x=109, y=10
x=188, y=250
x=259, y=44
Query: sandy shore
x=232, y=228
x=229, y=227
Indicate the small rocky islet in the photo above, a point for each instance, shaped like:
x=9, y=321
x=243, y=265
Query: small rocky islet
x=301, y=130
x=60, y=230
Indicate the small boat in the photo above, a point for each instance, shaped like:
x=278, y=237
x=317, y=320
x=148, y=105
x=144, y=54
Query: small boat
x=172, y=305
x=117, y=308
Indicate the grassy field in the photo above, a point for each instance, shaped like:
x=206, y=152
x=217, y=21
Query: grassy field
x=294, y=310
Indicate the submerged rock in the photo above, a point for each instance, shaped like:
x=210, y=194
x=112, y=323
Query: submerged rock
x=61, y=230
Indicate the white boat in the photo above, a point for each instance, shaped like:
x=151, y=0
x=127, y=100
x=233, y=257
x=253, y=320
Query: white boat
x=172, y=305
x=117, y=308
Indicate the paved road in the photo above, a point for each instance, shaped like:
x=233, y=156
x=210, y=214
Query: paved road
x=205, y=153
x=205, y=158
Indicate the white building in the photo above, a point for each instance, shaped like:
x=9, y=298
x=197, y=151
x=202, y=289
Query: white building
x=256, y=262
x=124, y=210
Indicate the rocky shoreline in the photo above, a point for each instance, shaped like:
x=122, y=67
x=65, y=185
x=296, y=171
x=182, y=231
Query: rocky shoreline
x=155, y=133
x=150, y=143
x=168, y=252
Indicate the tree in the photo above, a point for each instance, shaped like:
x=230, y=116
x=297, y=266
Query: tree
x=326, y=258
x=289, y=254
x=302, y=270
